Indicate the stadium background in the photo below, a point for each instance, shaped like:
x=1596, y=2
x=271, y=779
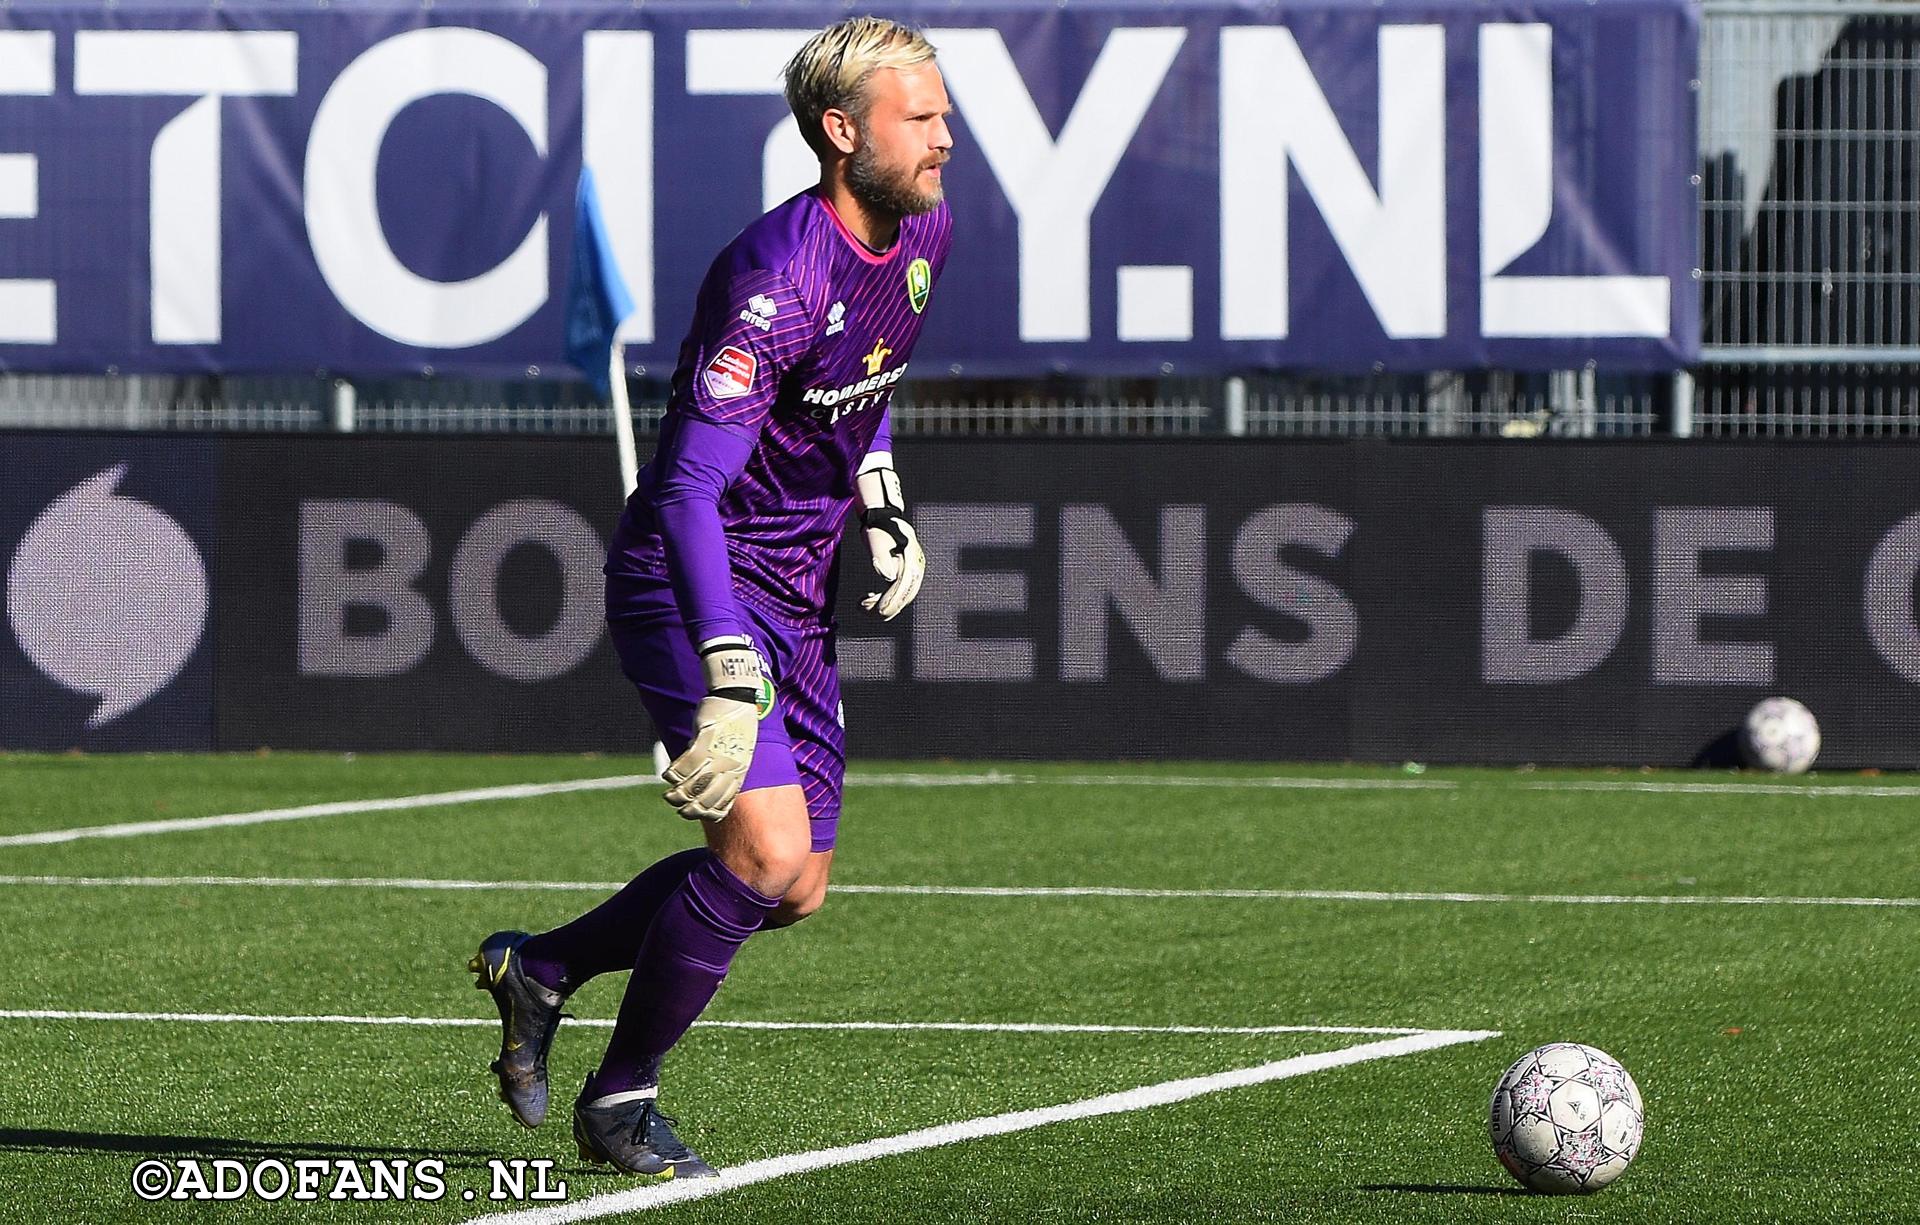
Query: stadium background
x=1553, y=550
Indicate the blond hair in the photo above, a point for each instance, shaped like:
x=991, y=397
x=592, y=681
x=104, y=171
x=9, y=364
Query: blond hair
x=831, y=72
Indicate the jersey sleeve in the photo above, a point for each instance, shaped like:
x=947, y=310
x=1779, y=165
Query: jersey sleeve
x=700, y=460
x=880, y=450
x=755, y=327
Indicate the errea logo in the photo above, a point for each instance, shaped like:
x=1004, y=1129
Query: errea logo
x=760, y=312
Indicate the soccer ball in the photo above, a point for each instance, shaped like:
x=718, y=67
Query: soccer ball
x=1566, y=1119
x=1780, y=735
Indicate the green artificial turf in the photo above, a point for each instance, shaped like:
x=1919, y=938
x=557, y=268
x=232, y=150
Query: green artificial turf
x=1774, y=1043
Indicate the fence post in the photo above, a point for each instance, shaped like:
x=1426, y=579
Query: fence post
x=346, y=401
x=1234, y=407
x=1682, y=403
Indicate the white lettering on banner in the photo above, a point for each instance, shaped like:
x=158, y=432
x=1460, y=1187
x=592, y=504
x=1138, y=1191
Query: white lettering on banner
x=183, y=200
x=1101, y=576
x=617, y=139
x=1272, y=114
x=27, y=315
x=1511, y=537
x=1053, y=186
x=1886, y=598
x=343, y=214
x=329, y=587
x=940, y=651
x=333, y=584
x=751, y=62
x=1516, y=203
x=1263, y=574
x=1387, y=220
x=1682, y=595
x=474, y=577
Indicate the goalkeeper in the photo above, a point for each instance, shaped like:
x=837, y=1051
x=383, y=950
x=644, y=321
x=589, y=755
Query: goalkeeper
x=722, y=574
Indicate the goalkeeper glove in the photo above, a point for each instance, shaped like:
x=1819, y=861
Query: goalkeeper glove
x=897, y=555
x=703, y=781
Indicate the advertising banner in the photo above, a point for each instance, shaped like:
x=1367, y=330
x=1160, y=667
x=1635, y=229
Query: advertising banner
x=1139, y=188
x=1157, y=600
x=421, y=594
x=1473, y=601
x=109, y=546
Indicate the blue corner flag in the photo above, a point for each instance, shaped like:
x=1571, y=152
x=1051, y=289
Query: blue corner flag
x=598, y=300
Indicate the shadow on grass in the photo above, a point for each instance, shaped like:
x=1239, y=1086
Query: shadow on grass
x=1414, y=1188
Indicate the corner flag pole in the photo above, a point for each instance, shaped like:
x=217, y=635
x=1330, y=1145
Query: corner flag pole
x=622, y=417
x=629, y=463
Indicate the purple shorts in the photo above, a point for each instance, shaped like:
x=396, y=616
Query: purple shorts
x=801, y=740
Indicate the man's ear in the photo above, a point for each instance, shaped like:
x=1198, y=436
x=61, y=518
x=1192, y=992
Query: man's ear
x=842, y=132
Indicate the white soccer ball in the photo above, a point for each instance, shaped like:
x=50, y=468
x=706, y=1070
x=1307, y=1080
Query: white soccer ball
x=1566, y=1119
x=1780, y=735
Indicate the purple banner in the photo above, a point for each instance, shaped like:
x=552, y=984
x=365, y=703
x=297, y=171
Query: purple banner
x=1139, y=187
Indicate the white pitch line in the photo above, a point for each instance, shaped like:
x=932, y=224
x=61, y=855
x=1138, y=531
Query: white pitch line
x=1008, y=891
x=320, y=882
x=994, y=778
x=1145, y=1097
x=1827, y=791
x=954, y=1027
x=134, y=829
x=1284, y=782
x=516, y=791
x=1377, y=895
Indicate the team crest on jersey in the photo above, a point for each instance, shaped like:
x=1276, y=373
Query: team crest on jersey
x=919, y=284
x=730, y=373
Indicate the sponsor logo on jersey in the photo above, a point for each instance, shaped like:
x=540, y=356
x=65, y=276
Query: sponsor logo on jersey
x=919, y=284
x=837, y=319
x=878, y=357
x=730, y=373
x=760, y=312
x=851, y=398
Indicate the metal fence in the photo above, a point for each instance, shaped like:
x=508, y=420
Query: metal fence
x=1810, y=276
x=1810, y=235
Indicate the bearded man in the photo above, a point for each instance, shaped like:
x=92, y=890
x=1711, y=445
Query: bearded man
x=722, y=575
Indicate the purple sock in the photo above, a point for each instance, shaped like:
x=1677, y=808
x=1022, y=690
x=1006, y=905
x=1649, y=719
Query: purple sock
x=681, y=964
x=606, y=938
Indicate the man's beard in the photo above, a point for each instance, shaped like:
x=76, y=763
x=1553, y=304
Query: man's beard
x=889, y=191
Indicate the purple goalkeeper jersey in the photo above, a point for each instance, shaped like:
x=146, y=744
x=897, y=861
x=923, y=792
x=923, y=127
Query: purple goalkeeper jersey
x=799, y=337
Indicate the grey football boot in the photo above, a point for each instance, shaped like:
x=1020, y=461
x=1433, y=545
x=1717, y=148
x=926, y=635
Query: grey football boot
x=628, y=1130
x=529, y=1015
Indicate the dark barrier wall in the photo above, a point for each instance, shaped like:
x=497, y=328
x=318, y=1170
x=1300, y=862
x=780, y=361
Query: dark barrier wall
x=1477, y=601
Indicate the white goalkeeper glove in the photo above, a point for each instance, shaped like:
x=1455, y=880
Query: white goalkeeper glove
x=897, y=555
x=703, y=781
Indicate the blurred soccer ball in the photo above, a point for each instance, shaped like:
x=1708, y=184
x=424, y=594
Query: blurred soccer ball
x=1780, y=735
x=1566, y=1119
